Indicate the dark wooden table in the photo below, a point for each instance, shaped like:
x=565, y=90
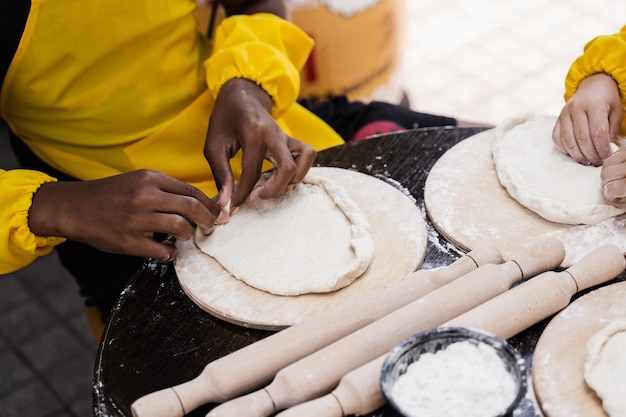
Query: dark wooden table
x=156, y=337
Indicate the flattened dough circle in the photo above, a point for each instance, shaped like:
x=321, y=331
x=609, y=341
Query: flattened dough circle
x=559, y=356
x=311, y=239
x=468, y=206
x=399, y=233
x=541, y=178
x=605, y=367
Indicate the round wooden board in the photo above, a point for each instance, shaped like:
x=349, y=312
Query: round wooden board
x=557, y=368
x=468, y=206
x=399, y=233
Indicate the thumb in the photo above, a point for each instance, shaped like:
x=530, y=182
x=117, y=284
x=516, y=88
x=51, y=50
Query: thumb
x=223, y=201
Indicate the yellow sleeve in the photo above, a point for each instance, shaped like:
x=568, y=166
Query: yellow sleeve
x=18, y=246
x=262, y=48
x=602, y=54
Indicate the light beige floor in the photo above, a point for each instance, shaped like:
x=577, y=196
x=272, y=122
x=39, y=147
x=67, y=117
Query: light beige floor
x=484, y=60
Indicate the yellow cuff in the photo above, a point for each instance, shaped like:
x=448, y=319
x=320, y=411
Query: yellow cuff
x=264, y=49
x=604, y=54
x=19, y=246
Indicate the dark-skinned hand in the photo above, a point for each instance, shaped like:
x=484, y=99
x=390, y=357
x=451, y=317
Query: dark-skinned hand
x=242, y=121
x=121, y=214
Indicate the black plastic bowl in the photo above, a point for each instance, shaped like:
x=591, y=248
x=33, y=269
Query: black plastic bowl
x=431, y=341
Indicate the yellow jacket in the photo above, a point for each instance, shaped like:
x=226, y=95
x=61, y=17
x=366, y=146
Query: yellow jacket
x=100, y=88
x=602, y=54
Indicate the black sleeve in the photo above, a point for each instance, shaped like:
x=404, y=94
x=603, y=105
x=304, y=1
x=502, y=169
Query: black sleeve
x=13, y=16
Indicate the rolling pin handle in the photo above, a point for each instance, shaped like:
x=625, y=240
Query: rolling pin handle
x=163, y=403
x=596, y=268
x=545, y=255
x=257, y=403
x=485, y=255
x=326, y=406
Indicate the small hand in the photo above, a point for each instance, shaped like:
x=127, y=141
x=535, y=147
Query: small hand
x=590, y=121
x=242, y=121
x=122, y=213
x=613, y=175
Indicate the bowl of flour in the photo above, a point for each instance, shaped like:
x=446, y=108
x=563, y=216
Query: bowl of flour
x=454, y=371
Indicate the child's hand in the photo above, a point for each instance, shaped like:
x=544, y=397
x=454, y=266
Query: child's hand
x=590, y=120
x=614, y=178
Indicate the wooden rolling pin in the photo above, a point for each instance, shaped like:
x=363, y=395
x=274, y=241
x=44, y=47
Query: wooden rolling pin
x=359, y=392
x=224, y=378
x=319, y=372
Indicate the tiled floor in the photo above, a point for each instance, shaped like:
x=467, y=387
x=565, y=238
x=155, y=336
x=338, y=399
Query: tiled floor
x=47, y=351
x=481, y=61
x=485, y=60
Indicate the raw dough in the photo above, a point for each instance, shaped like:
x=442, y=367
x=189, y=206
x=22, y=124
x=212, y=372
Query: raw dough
x=312, y=239
x=545, y=180
x=605, y=367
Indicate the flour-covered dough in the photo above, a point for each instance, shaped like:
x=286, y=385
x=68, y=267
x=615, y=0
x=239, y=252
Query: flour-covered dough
x=605, y=367
x=312, y=239
x=544, y=180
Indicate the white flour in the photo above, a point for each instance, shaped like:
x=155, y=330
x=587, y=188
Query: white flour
x=464, y=380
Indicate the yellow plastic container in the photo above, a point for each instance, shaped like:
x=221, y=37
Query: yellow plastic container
x=356, y=51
